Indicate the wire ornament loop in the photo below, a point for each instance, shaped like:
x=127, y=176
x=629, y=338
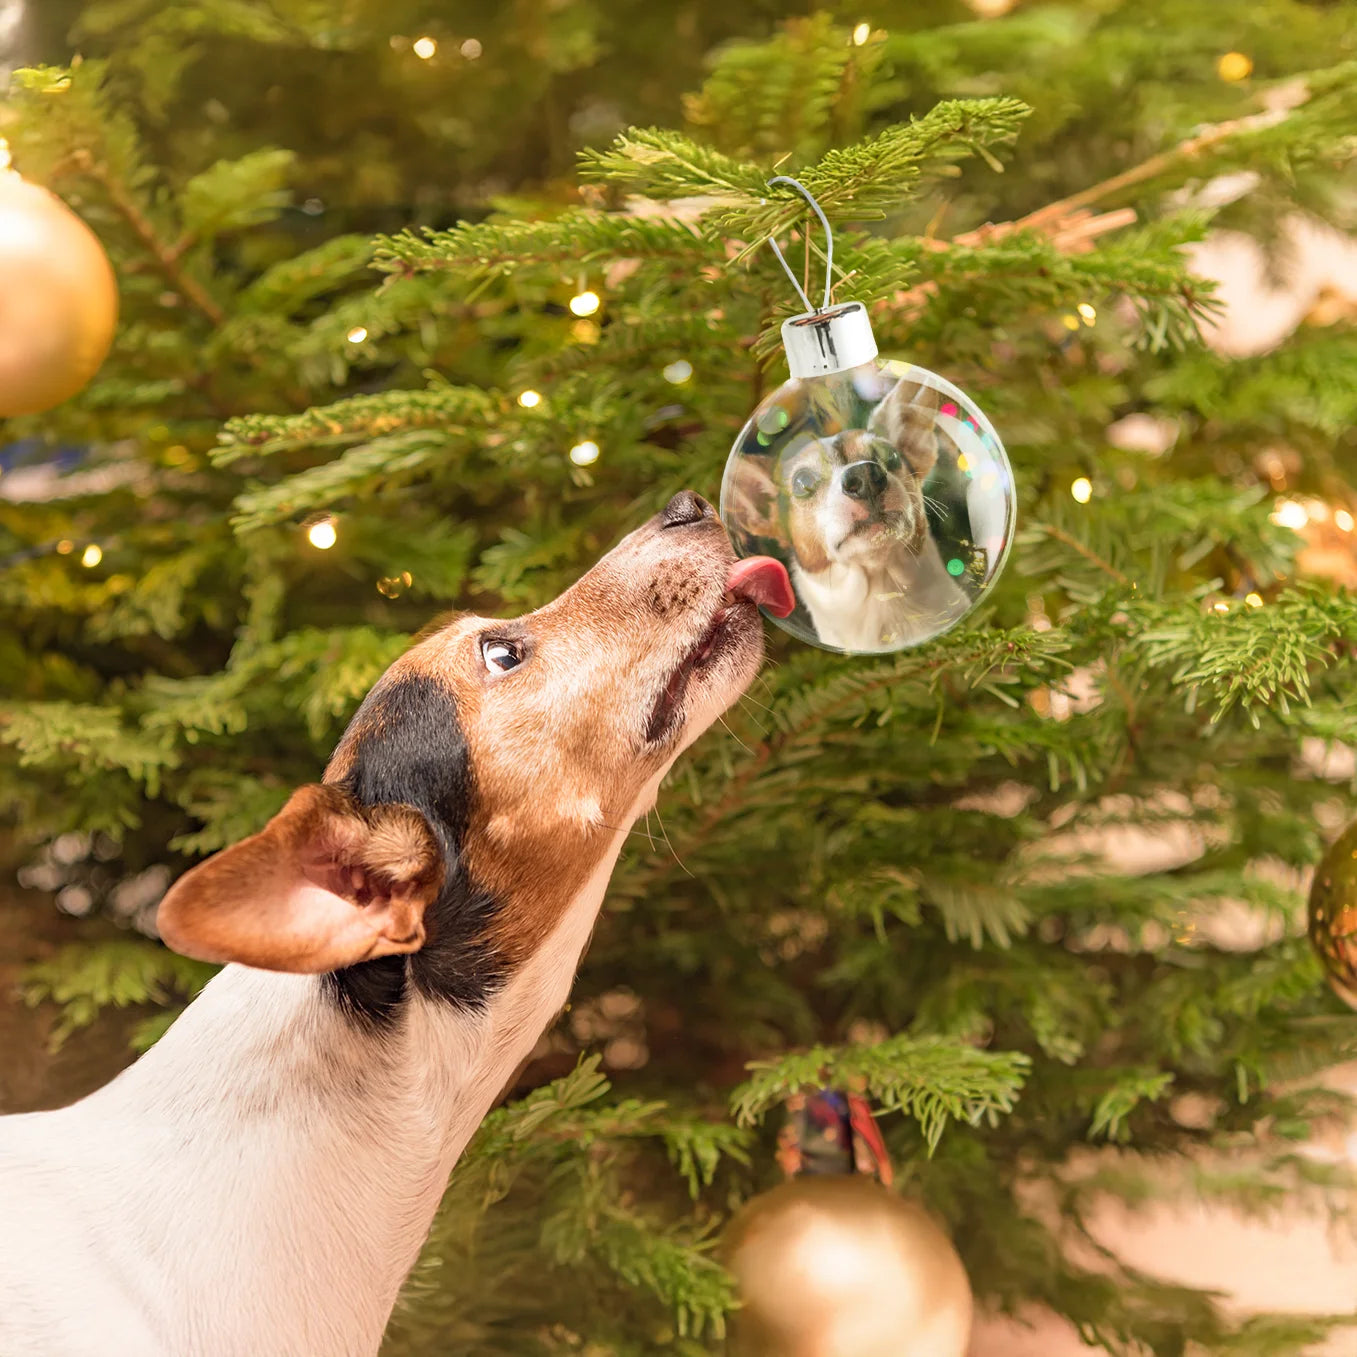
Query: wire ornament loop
x=829, y=245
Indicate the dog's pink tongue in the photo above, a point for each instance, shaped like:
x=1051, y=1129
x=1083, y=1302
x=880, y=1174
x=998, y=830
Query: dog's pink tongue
x=764, y=580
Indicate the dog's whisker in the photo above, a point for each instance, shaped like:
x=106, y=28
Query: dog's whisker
x=660, y=821
x=733, y=735
x=750, y=702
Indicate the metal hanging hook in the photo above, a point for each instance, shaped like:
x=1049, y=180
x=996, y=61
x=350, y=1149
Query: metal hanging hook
x=829, y=244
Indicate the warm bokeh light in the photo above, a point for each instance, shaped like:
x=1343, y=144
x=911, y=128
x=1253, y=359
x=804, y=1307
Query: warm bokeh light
x=861, y=33
x=584, y=454
x=1234, y=66
x=357, y=335
x=65, y=546
x=585, y=303
x=1290, y=513
x=1343, y=519
x=678, y=372
x=424, y=48
x=1221, y=607
x=529, y=399
x=322, y=535
x=1088, y=313
x=1082, y=490
x=92, y=555
x=1254, y=600
x=471, y=49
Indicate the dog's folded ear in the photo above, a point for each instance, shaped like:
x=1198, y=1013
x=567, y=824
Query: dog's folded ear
x=324, y=885
x=750, y=500
x=906, y=418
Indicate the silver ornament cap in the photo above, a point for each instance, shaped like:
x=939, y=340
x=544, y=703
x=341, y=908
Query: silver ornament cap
x=833, y=340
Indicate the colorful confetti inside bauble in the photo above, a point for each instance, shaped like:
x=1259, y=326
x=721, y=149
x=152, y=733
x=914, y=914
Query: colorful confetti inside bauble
x=1333, y=914
x=58, y=298
x=840, y=1266
x=881, y=487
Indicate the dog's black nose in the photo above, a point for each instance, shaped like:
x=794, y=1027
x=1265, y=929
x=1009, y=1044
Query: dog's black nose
x=685, y=508
x=863, y=480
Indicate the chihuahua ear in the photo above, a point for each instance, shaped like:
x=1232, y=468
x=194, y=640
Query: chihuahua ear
x=324, y=885
x=750, y=504
x=907, y=418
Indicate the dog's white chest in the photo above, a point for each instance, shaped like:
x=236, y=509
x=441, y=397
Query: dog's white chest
x=904, y=601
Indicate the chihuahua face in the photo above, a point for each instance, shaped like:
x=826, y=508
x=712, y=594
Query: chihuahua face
x=858, y=496
x=485, y=777
x=851, y=508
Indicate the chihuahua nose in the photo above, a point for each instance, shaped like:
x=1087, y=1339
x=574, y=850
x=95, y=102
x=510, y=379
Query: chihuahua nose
x=685, y=508
x=863, y=480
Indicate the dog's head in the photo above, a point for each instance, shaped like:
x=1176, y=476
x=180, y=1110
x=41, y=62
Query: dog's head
x=488, y=772
x=854, y=498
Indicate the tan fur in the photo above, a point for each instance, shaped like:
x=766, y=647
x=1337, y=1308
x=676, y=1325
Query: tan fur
x=556, y=747
x=323, y=885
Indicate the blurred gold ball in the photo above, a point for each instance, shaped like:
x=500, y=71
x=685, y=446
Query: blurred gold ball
x=1333, y=914
x=58, y=299
x=839, y=1266
x=1234, y=66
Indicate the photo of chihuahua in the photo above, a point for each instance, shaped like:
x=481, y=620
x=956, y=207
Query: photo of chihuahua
x=852, y=515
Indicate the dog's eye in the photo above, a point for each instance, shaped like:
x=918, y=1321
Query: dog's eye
x=804, y=483
x=500, y=656
x=891, y=461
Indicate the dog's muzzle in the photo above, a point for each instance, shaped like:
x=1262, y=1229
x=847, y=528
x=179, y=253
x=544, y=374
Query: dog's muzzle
x=864, y=481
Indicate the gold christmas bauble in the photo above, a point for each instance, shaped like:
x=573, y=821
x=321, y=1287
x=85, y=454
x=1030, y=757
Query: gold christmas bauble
x=839, y=1266
x=58, y=299
x=1333, y=914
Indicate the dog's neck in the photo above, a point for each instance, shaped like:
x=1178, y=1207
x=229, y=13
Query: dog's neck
x=279, y=1165
x=899, y=599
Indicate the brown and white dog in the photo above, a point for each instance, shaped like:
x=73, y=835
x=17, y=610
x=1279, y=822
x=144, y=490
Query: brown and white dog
x=863, y=561
x=261, y=1181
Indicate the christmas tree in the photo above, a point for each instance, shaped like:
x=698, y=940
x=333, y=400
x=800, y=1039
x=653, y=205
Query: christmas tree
x=415, y=316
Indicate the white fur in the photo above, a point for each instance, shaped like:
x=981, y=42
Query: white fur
x=259, y=1184
x=898, y=600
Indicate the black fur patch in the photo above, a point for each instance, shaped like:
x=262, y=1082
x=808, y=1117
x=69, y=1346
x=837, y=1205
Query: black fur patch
x=411, y=750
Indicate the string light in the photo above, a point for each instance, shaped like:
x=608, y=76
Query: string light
x=585, y=303
x=1291, y=513
x=471, y=49
x=861, y=33
x=678, y=372
x=1221, y=607
x=92, y=555
x=1343, y=520
x=424, y=48
x=1254, y=600
x=1082, y=490
x=584, y=454
x=1087, y=312
x=322, y=535
x=357, y=335
x=529, y=399
x=1233, y=66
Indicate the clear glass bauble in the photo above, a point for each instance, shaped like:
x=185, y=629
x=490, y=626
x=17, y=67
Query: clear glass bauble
x=885, y=492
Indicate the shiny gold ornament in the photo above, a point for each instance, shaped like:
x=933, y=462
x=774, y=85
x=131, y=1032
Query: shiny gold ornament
x=58, y=298
x=839, y=1266
x=1333, y=914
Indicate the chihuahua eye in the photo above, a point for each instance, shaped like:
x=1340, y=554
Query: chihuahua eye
x=804, y=483
x=891, y=461
x=500, y=656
